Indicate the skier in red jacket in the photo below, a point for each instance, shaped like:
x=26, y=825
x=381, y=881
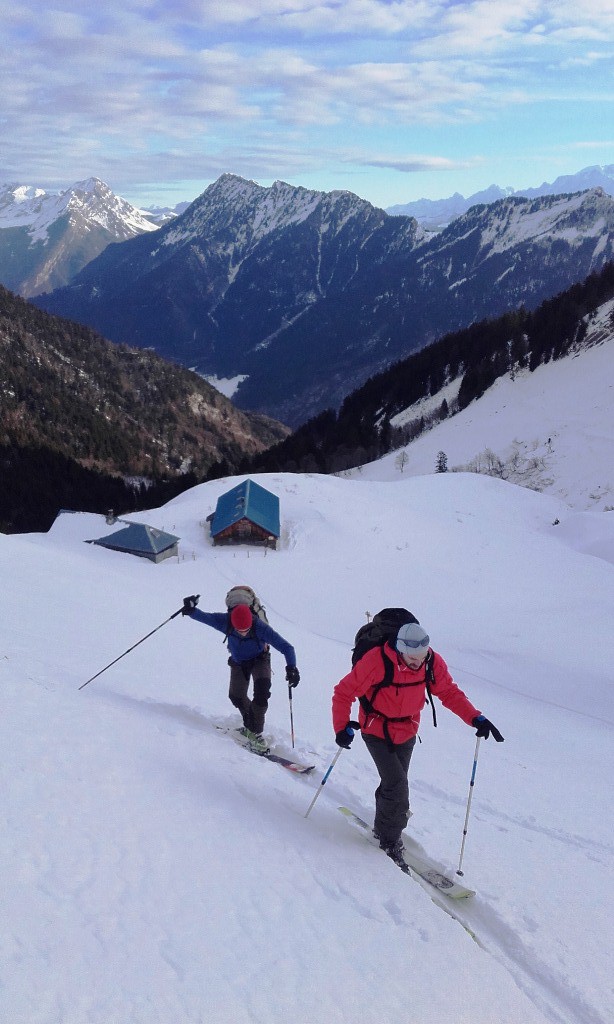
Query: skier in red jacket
x=390, y=716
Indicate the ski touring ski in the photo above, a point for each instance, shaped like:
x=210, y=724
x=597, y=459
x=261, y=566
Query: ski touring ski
x=249, y=741
x=416, y=863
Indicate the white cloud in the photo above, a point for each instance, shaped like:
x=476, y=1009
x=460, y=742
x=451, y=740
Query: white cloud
x=328, y=17
x=413, y=163
x=118, y=81
x=593, y=145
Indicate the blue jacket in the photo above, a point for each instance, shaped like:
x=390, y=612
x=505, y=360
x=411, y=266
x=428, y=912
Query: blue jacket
x=245, y=648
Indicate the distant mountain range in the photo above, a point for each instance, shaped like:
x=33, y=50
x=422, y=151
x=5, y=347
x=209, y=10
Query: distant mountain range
x=160, y=215
x=400, y=406
x=308, y=294
x=47, y=238
x=435, y=214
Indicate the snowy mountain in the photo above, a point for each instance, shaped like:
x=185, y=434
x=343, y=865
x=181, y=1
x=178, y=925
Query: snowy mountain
x=435, y=214
x=596, y=176
x=154, y=871
x=160, y=215
x=46, y=238
x=305, y=295
x=550, y=430
x=219, y=286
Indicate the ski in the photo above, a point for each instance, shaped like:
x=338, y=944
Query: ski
x=415, y=862
x=292, y=766
x=248, y=744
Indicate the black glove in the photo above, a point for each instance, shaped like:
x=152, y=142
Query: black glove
x=346, y=735
x=484, y=729
x=189, y=604
x=292, y=675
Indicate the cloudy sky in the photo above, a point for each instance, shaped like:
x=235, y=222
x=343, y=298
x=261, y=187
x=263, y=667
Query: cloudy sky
x=391, y=99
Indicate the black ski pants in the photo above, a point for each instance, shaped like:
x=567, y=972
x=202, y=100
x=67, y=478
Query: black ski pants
x=252, y=711
x=392, y=794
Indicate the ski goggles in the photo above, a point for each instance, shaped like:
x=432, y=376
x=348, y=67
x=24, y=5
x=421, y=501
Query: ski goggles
x=414, y=645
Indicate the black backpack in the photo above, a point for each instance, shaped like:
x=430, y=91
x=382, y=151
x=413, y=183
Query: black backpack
x=384, y=628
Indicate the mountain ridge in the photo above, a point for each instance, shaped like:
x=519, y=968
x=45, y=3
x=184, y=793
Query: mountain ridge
x=46, y=238
x=306, y=295
x=435, y=214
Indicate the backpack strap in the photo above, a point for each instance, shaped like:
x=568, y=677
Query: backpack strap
x=366, y=703
x=429, y=679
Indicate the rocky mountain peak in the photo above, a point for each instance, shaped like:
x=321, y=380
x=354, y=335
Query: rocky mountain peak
x=91, y=185
x=239, y=213
x=47, y=237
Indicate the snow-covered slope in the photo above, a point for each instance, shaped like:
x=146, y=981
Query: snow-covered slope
x=551, y=430
x=522, y=241
x=514, y=223
x=154, y=872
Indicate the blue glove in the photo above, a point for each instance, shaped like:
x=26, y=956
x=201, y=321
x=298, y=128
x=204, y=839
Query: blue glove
x=484, y=729
x=344, y=737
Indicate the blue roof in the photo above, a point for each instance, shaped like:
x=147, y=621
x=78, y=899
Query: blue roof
x=139, y=538
x=247, y=501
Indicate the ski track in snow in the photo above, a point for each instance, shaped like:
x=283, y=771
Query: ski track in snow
x=549, y=992
x=581, y=842
x=124, y=830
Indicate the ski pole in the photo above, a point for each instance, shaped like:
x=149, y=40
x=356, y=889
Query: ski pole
x=351, y=726
x=173, y=616
x=291, y=715
x=471, y=784
x=324, y=779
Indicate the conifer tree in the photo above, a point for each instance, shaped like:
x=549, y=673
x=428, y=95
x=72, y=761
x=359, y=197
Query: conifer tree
x=441, y=465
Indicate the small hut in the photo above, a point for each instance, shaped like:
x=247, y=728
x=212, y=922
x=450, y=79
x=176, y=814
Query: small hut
x=246, y=514
x=144, y=541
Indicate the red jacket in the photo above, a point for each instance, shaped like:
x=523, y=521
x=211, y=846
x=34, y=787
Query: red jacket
x=396, y=702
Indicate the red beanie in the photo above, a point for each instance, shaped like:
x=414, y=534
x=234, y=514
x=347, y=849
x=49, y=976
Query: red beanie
x=241, y=617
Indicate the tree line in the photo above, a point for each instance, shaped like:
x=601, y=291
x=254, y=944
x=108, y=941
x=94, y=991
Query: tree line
x=36, y=482
x=363, y=428
x=36, y=479
x=82, y=418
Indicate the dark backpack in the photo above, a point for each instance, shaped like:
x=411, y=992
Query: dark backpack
x=384, y=628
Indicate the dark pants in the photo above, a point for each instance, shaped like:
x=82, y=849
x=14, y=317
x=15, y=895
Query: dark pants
x=392, y=794
x=253, y=711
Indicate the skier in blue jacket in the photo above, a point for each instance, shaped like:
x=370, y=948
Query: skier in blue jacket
x=249, y=639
